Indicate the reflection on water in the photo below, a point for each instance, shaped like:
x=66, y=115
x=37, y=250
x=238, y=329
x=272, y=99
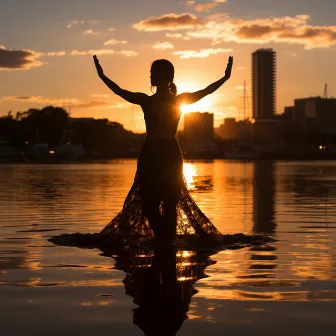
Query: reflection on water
x=264, y=197
x=247, y=288
x=195, y=181
x=161, y=285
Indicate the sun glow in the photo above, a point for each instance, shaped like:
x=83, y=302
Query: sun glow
x=203, y=105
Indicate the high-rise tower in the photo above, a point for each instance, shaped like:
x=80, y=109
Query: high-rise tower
x=263, y=83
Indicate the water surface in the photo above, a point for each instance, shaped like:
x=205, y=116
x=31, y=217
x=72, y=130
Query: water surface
x=287, y=287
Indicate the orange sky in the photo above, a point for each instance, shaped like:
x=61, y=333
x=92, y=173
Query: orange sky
x=46, y=55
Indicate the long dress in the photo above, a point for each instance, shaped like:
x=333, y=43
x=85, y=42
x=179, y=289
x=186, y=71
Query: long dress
x=159, y=203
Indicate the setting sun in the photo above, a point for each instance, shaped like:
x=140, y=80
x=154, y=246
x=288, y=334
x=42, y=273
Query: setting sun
x=203, y=105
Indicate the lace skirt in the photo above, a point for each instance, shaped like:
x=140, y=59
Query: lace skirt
x=159, y=203
x=159, y=186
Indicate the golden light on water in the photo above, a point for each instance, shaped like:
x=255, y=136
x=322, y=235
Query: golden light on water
x=189, y=172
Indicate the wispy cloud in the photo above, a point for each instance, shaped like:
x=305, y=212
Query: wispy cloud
x=74, y=22
x=93, y=21
x=80, y=22
x=168, y=22
x=75, y=103
x=114, y=42
x=128, y=53
x=202, y=53
x=111, y=29
x=100, y=95
x=99, y=52
x=178, y=36
x=89, y=32
x=205, y=6
x=163, y=45
x=52, y=53
x=41, y=100
x=294, y=30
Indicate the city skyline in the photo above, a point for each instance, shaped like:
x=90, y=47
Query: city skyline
x=55, y=63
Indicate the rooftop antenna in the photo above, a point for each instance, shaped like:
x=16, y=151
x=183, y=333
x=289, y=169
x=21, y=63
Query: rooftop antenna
x=325, y=92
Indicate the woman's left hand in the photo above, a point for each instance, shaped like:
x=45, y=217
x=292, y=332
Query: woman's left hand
x=98, y=66
x=228, y=68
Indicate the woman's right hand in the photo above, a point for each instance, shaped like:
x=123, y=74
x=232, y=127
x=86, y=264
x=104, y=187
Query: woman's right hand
x=98, y=66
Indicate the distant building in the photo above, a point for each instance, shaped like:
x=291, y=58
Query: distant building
x=232, y=130
x=263, y=83
x=198, y=134
x=313, y=113
x=268, y=135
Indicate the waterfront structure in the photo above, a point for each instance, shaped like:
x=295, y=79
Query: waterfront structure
x=312, y=113
x=232, y=130
x=198, y=131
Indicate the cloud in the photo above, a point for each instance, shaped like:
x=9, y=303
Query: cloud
x=205, y=6
x=128, y=53
x=113, y=42
x=202, y=53
x=75, y=103
x=168, y=22
x=111, y=29
x=52, y=53
x=174, y=35
x=18, y=59
x=88, y=32
x=178, y=36
x=40, y=100
x=99, y=52
x=163, y=45
x=74, y=22
x=100, y=95
x=294, y=30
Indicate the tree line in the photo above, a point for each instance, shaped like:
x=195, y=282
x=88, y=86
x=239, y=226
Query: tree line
x=53, y=125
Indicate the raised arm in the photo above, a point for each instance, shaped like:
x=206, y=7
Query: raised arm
x=132, y=97
x=193, y=97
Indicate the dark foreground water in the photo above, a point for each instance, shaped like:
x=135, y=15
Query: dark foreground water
x=287, y=288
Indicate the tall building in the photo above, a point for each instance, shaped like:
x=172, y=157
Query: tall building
x=263, y=83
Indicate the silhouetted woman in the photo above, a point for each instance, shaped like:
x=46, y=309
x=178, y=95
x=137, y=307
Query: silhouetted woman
x=159, y=202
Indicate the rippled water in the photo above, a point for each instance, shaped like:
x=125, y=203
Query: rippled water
x=287, y=287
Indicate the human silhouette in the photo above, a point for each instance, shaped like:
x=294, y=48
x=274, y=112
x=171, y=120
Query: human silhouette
x=159, y=197
x=159, y=208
